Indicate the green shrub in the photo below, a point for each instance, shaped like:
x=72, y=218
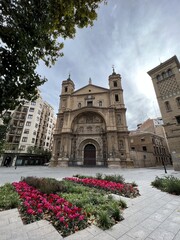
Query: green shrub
x=46, y=185
x=116, y=214
x=114, y=178
x=173, y=185
x=158, y=183
x=9, y=198
x=168, y=184
x=104, y=221
x=122, y=203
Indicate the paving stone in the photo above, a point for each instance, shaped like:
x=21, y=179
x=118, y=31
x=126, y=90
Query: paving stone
x=19, y=236
x=150, y=224
x=165, y=211
x=81, y=235
x=125, y=237
x=139, y=232
x=170, y=206
x=161, y=234
x=118, y=230
x=158, y=217
x=94, y=230
x=177, y=236
x=103, y=236
x=31, y=226
x=170, y=226
x=53, y=236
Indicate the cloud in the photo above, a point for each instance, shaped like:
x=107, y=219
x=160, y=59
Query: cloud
x=135, y=36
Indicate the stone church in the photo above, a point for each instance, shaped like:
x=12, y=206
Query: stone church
x=91, y=128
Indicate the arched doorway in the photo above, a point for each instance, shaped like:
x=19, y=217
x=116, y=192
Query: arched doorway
x=89, y=155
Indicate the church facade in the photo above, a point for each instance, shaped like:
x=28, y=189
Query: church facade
x=91, y=128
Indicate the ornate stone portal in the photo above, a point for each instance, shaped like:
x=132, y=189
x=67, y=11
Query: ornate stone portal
x=91, y=126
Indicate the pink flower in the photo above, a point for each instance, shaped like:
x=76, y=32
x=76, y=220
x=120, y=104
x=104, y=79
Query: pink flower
x=61, y=219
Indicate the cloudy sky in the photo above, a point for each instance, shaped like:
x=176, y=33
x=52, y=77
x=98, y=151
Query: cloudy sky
x=134, y=36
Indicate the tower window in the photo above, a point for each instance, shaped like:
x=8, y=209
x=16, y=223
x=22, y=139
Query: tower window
x=167, y=106
x=164, y=75
x=158, y=77
x=79, y=105
x=116, y=98
x=115, y=84
x=178, y=101
x=178, y=119
x=100, y=103
x=169, y=72
x=66, y=89
x=144, y=148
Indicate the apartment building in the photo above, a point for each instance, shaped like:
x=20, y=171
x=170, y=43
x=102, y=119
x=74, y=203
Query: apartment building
x=32, y=125
x=148, y=149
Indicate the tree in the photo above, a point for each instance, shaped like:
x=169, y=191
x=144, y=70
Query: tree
x=4, y=124
x=30, y=31
x=38, y=151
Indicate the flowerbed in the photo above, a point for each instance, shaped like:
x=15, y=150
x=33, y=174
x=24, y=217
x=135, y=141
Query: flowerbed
x=63, y=215
x=123, y=189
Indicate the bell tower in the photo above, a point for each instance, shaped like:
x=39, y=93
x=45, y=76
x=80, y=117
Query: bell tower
x=116, y=91
x=66, y=91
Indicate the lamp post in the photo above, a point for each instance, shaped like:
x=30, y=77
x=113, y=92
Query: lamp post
x=164, y=165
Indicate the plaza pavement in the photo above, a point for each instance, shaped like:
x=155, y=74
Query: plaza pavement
x=154, y=215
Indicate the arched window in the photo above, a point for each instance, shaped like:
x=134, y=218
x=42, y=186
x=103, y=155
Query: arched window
x=115, y=84
x=178, y=101
x=79, y=105
x=167, y=106
x=164, y=75
x=169, y=72
x=100, y=103
x=158, y=77
x=116, y=98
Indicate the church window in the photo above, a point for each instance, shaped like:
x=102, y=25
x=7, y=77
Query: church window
x=79, y=105
x=66, y=89
x=115, y=84
x=116, y=98
x=167, y=106
x=178, y=101
x=89, y=103
x=100, y=103
x=169, y=72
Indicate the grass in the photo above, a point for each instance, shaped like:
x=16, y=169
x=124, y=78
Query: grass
x=168, y=184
